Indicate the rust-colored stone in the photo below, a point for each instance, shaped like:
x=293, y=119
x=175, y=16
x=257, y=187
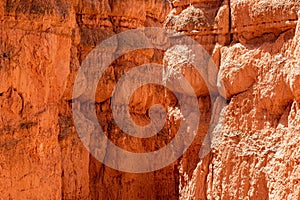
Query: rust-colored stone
x=255, y=46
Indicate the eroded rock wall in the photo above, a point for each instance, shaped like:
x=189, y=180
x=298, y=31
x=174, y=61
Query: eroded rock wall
x=255, y=46
x=256, y=156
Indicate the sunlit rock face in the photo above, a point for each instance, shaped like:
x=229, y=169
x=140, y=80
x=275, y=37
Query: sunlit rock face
x=251, y=94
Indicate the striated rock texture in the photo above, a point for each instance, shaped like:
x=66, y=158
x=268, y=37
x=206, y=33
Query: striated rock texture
x=256, y=48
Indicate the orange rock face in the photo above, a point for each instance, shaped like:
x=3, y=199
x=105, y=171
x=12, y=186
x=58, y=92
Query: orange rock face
x=249, y=103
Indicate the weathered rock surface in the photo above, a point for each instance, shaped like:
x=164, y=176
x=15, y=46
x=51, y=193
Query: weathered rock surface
x=255, y=46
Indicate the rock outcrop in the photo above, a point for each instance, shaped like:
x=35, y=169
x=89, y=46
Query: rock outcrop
x=255, y=46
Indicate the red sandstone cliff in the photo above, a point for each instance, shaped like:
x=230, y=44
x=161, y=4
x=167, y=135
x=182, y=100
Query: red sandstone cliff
x=255, y=46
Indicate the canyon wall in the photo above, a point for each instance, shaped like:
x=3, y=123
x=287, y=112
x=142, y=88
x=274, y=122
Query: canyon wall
x=255, y=46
